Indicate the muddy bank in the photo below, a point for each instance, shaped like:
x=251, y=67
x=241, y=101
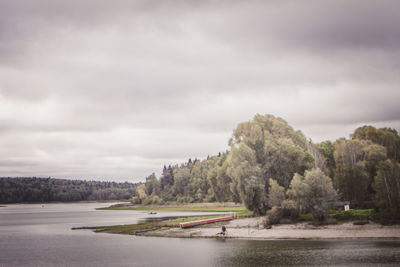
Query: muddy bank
x=249, y=229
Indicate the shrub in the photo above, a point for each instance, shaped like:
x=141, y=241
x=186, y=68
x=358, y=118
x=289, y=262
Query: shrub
x=276, y=194
x=157, y=200
x=351, y=215
x=135, y=200
x=289, y=210
x=314, y=192
x=182, y=200
x=148, y=200
x=274, y=215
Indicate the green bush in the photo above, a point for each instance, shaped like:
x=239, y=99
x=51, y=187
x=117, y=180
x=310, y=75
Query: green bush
x=181, y=200
x=352, y=215
x=386, y=217
x=135, y=200
x=148, y=201
x=320, y=214
x=274, y=215
x=157, y=200
x=289, y=210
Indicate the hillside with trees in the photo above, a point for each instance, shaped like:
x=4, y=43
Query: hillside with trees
x=271, y=167
x=32, y=189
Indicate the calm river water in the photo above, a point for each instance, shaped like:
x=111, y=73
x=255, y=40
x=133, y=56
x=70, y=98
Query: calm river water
x=36, y=235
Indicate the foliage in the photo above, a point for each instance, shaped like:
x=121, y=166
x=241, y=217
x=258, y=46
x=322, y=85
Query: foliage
x=276, y=194
x=152, y=200
x=184, y=199
x=387, y=186
x=248, y=177
x=266, y=147
x=18, y=190
x=135, y=200
x=220, y=181
x=356, y=162
x=152, y=185
x=386, y=137
x=314, y=192
x=327, y=149
x=352, y=214
x=289, y=209
x=141, y=193
x=320, y=160
x=274, y=216
x=299, y=192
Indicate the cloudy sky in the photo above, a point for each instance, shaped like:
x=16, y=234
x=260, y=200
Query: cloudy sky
x=113, y=90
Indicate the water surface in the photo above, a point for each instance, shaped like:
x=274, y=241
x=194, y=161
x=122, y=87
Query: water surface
x=32, y=235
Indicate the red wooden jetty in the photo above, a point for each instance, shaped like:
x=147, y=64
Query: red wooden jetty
x=194, y=223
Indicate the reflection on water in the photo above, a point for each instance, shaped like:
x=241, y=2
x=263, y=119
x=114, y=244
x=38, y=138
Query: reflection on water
x=32, y=235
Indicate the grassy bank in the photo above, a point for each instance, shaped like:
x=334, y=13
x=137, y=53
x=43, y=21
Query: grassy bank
x=136, y=229
x=355, y=215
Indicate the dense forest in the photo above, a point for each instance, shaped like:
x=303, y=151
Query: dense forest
x=18, y=190
x=270, y=165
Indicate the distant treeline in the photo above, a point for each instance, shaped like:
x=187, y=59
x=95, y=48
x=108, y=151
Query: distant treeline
x=269, y=164
x=32, y=189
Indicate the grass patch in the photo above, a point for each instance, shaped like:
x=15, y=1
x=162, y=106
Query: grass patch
x=357, y=215
x=131, y=229
x=352, y=215
x=305, y=217
x=239, y=211
x=121, y=229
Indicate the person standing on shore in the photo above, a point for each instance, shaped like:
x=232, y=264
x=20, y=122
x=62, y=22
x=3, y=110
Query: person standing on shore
x=223, y=230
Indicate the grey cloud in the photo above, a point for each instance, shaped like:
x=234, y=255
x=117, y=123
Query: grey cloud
x=95, y=88
x=315, y=25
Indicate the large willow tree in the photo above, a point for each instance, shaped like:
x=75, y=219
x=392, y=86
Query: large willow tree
x=266, y=147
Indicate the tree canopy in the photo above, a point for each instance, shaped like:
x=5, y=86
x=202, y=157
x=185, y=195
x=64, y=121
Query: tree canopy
x=32, y=189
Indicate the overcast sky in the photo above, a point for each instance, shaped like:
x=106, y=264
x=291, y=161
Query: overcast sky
x=113, y=90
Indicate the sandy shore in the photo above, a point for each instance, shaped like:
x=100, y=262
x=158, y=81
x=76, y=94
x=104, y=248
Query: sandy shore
x=249, y=229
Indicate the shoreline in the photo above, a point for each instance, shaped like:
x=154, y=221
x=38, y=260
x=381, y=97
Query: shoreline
x=248, y=229
x=300, y=231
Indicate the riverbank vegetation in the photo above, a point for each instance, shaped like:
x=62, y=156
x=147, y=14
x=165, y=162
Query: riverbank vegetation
x=274, y=170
